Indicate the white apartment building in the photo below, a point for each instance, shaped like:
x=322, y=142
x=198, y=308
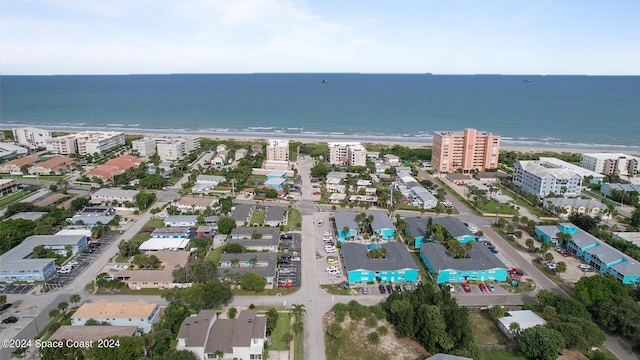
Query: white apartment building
x=347, y=153
x=171, y=149
x=277, y=150
x=85, y=143
x=542, y=178
x=611, y=163
x=31, y=137
x=145, y=147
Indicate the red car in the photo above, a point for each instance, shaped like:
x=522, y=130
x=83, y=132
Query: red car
x=566, y=254
x=482, y=287
x=466, y=287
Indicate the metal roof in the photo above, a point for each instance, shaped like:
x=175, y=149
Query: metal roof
x=479, y=258
x=380, y=220
x=356, y=257
x=345, y=218
x=274, y=213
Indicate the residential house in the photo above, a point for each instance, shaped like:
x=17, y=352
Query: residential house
x=256, y=149
x=161, y=278
x=15, y=166
x=206, y=183
x=206, y=336
x=114, y=196
x=524, y=318
x=206, y=231
x=391, y=160
x=565, y=207
x=607, y=189
x=181, y=220
x=414, y=193
x=168, y=239
x=115, y=167
x=601, y=256
x=543, y=178
x=19, y=264
x=141, y=313
x=275, y=216
x=480, y=264
x=28, y=215
x=275, y=183
x=240, y=154
x=381, y=225
x=242, y=214
x=346, y=225
x=398, y=266
x=263, y=263
x=90, y=220
x=54, y=165
x=191, y=204
x=256, y=238
x=7, y=186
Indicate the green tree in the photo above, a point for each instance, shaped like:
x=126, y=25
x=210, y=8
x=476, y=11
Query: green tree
x=298, y=310
x=319, y=170
x=75, y=299
x=232, y=312
x=225, y=225
x=63, y=306
x=252, y=281
x=374, y=338
x=144, y=200
x=496, y=312
x=562, y=267
x=530, y=244
x=272, y=320
x=541, y=343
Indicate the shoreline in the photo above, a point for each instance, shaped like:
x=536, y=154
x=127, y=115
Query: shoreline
x=411, y=142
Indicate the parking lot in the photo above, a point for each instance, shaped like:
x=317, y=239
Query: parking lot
x=289, y=264
x=17, y=288
x=322, y=256
x=82, y=260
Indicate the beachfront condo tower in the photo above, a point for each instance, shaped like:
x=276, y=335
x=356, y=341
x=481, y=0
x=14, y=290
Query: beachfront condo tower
x=465, y=151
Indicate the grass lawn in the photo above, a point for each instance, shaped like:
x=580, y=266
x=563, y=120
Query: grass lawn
x=501, y=355
x=6, y=200
x=215, y=254
x=295, y=219
x=485, y=331
x=258, y=217
x=122, y=259
x=282, y=327
x=139, y=238
x=491, y=207
x=126, y=291
x=270, y=292
x=336, y=290
x=297, y=350
x=422, y=269
x=52, y=178
x=154, y=223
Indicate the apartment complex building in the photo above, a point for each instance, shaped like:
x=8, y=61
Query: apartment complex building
x=611, y=163
x=277, y=150
x=31, y=137
x=347, y=153
x=54, y=165
x=85, y=143
x=467, y=150
x=145, y=147
x=171, y=149
x=542, y=178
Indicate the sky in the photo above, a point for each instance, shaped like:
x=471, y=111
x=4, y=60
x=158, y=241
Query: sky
x=44, y=37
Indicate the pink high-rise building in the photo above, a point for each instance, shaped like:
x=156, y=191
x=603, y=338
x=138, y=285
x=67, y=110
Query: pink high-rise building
x=466, y=150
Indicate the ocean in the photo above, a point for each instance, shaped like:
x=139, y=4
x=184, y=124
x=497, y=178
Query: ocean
x=555, y=111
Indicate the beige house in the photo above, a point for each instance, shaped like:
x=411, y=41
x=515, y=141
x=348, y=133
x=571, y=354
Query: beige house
x=161, y=278
x=55, y=165
x=15, y=165
x=141, y=313
x=570, y=206
x=195, y=203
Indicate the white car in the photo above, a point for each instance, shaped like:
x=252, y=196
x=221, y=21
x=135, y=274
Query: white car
x=330, y=250
x=332, y=268
x=296, y=258
x=584, y=266
x=334, y=272
x=123, y=222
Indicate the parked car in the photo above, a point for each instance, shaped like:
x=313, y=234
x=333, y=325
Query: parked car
x=365, y=290
x=491, y=287
x=4, y=307
x=296, y=258
x=466, y=287
x=494, y=251
x=482, y=287
x=330, y=268
x=10, y=320
x=516, y=271
x=398, y=288
x=332, y=261
x=389, y=289
x=382, y=289
x=286, y=237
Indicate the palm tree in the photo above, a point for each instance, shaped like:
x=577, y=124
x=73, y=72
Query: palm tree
x=562, y=267
x=219, y=354
x=54, y=313
x=63, y=306
x=235, y=262
x=253, y=261
x=529, y=243
x=514, y=328
x=298, y=310
x=75, y=299
x=298, y=327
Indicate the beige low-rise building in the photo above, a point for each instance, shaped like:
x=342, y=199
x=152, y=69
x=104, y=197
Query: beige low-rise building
x=55, y=165
x=141, y=313
x=15, y=166
x=161, y=278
